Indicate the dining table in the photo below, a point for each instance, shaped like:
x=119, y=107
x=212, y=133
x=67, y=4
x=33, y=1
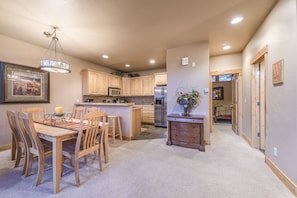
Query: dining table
x=57, y=132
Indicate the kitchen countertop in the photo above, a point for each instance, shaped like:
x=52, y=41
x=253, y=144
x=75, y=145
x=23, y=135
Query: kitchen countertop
x=105, y=104
x=128, y=112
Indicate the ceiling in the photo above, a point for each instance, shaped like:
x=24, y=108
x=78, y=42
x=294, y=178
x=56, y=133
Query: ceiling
x=132, y=31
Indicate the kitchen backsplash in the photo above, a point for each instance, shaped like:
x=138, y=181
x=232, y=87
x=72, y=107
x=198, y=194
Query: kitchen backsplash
x=139, y=100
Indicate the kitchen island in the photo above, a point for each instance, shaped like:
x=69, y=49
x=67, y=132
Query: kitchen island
x=130, y=116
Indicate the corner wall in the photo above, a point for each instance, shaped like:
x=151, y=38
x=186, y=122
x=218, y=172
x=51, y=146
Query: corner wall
x=186, y=78
x=279, y=33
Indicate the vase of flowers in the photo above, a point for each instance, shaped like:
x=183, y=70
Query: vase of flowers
x=188, y=100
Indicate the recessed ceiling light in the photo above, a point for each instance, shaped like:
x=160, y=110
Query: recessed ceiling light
x=105, y=56
x=152, y=61
x=127, y=65
x=226, y=47
x=236, y=20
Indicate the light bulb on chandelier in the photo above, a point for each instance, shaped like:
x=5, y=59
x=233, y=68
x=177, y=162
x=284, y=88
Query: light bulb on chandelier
x=51, y=62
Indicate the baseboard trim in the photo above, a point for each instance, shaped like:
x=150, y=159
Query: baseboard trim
x=207, y=142
x=246, y=138
x=4, y=147
x=282, y=176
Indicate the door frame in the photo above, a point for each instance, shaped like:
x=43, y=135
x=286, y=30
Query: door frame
x=238, y=72
x=260, y=57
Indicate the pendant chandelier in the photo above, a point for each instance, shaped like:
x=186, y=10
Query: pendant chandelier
x=51, y=62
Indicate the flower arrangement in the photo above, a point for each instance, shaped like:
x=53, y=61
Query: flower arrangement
x=188, y=100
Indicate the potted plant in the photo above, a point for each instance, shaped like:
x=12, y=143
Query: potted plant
x=188, y=100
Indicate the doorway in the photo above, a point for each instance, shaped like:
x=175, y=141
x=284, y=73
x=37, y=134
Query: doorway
x=233, y=107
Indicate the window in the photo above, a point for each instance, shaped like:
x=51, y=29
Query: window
x=214, y=78
x=225, y=77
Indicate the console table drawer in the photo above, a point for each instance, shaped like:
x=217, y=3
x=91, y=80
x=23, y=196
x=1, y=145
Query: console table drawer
x=186, y=131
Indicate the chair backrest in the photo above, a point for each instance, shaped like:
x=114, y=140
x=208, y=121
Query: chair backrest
x=77, y=112
x=91, y=132
x=37, y=112
x=26, y=125
x=12, y=120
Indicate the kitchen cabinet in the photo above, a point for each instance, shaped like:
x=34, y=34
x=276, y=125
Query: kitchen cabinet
x=136, y=126
x=115, y=81
x=136, y=86
x=148, y=114
x=126, y=84
x=160, y=78
x=130, y=116
x=141, y=86
x=148, y=85
x=94, y=83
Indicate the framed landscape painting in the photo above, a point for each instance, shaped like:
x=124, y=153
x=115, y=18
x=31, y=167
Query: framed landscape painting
x=22, y=84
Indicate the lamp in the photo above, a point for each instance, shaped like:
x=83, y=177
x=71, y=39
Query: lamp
x=51, y=62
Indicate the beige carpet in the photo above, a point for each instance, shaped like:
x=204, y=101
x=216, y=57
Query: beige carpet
x=150, y=169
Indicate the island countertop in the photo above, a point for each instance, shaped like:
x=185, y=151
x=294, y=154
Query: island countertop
x=105, y=104
x=130, y=116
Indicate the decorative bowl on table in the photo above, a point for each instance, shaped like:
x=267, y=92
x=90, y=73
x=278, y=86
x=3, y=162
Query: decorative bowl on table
x=59, y=115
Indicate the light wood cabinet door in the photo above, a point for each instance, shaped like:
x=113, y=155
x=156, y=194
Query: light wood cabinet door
x=94, y=83
x=90, y=83
x=103, y=84
x=148, y=115
x=136, y=122
x=125, y=91
x=115, y=81
x=160, y=79
x=136, y=86
x=148, y=85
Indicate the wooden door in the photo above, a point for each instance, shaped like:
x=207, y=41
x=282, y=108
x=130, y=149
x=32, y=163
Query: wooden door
x=258, y=106
x=234, y=103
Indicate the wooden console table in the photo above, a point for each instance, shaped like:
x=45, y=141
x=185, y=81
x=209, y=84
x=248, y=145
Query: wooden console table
x=186, y=131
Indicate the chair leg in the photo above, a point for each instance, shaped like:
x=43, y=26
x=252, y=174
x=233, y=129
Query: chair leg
x=13, y=147
x=18, y=157
x=120, y=128
x=40, y=170
x=113, y=130
x=76, y=168
x=25, y=163
x=100, y=157
x=29, y=164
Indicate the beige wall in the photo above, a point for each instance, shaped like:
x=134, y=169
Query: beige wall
x=278, y=32
x=65, y=89
x=186, y=78
x=225, y=62
x=227, y=86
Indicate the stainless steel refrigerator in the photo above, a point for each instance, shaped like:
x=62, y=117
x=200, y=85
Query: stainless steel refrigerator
x=160, y=106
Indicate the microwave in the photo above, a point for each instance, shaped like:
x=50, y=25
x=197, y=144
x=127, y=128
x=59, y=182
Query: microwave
x=114, y=91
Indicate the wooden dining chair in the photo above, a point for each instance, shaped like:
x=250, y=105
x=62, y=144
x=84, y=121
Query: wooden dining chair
x=77, y=112
x=35, y=147
x=37, y=112
x=89, y=141
x=17, y=140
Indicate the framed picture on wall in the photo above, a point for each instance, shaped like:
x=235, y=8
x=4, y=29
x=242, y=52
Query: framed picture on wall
x=22, y=84
x=218, y=93
x=278, y=72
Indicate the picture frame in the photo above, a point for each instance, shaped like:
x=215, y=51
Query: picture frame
x=23, y=84
x=278, y=72
x=218, y=93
